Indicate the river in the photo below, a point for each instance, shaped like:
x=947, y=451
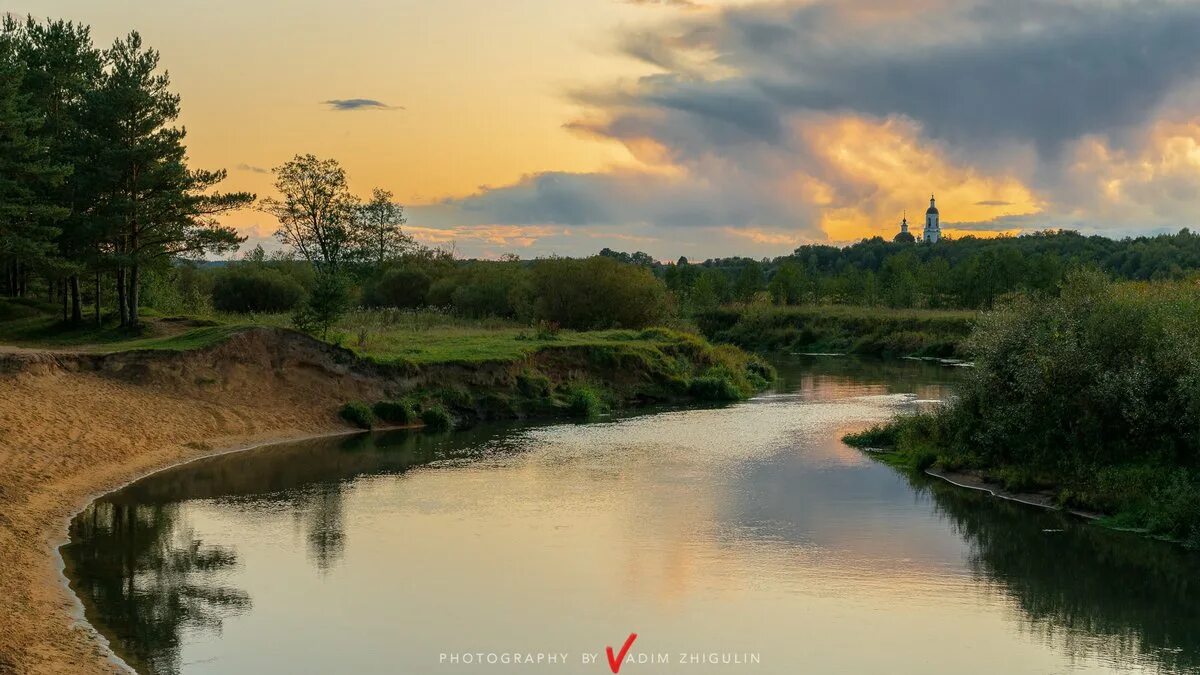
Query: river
x=737, y=539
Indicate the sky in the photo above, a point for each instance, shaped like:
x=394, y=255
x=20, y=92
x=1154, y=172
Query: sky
x=698, y=128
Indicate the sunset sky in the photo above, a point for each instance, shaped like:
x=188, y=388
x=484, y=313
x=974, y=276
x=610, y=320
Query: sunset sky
x=694, y=128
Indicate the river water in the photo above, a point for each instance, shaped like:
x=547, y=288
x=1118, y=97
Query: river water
x=737, y=539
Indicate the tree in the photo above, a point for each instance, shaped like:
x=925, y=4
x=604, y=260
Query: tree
x=63, y=66
x=787, y=286
x=27, y=172
x=379, y=228
x=316, y=211
x=749, y=281
x=155, y=207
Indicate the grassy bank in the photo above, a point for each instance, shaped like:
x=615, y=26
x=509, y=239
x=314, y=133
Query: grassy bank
x=840, y=329
x=486, y=368
x=1093, y=397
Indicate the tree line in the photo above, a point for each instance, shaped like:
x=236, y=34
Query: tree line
x=967, y=273
x=95, y=185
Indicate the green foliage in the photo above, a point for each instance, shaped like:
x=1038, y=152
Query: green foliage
x=878, y=436
x=249, y=288
x=585, y=401
x=858, y=330
x=358, y=413
x=400, y=287
x=1095, y=390
x=326, y=304
x=714, y=387
x=597, y=293
x=395, y=412
x=436, y=418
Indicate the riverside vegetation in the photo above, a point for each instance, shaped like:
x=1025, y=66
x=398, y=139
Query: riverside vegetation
x=1093, y=394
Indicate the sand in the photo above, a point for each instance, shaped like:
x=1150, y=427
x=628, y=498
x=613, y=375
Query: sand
x=73, y=427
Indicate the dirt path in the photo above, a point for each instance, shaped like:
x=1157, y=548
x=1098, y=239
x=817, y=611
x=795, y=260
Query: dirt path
x=72, y=429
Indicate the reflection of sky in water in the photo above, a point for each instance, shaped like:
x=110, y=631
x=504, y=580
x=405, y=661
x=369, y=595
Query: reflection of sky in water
x=748, y=528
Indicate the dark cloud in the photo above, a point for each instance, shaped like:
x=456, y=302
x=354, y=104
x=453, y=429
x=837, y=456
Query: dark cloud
x=252, y=169
x=342, y=104
x=993, y=202
x=1029, y=70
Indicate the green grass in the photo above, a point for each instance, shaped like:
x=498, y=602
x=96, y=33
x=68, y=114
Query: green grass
x=840, y=328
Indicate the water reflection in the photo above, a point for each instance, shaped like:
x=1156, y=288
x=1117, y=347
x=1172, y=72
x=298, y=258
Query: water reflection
x=145, y=579
x=750, y=525
x=1082, y=588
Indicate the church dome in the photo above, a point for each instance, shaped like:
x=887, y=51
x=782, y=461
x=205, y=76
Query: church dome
x=932, y=207
x=904, y=238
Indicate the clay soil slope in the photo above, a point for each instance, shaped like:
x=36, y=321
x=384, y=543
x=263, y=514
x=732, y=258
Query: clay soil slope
x=76, y=425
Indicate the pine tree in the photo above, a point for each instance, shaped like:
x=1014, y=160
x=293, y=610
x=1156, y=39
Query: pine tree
x=154, y=207
x=27, y=221
x=62, y=67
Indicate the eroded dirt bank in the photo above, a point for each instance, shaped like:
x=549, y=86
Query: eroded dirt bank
x=74, y=426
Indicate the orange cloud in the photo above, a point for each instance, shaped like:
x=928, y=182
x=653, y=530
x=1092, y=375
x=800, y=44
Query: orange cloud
x=519, y=236
x=874, y=170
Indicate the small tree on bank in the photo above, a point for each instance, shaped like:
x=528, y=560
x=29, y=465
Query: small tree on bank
x=380, y=235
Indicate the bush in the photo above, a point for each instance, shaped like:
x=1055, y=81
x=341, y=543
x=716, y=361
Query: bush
x=436, y=418
x=714, y=388
x=584, y=401
x=398, y=287
x=250, y=288
x=395, y=412
x=878, y=436
x=597, y=293
x=358, y=414
x=329, y=301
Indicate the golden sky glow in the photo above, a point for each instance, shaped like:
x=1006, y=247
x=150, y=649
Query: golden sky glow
x=720, y=128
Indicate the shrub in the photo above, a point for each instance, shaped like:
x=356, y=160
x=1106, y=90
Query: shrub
x=398, y=287
x=584, y=401
x=596, y=293
x=714, y=388
x=248, y=288
x=878, y=436
x=329, y=301
x=436, y=418
x=395, y=412
x=358, y=414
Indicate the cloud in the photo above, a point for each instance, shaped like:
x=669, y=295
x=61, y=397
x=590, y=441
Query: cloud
x=682, y=4
x=252, y=169
x=789, y=121
x=343, y=104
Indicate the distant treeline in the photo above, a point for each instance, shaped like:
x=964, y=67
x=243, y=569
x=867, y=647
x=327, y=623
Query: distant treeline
x=967, y=273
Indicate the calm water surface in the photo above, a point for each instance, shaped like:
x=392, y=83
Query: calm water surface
x=745, y=532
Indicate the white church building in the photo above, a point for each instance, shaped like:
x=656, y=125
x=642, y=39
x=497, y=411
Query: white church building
x=933, y=226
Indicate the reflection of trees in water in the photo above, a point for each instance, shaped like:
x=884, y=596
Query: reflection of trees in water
x=144, y=580
x=322, y=509
x=1088, y=590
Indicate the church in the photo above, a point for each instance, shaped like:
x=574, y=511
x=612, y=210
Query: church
x=933, y=227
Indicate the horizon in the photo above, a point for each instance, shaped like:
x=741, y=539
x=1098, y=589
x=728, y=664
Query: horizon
x=705, y=130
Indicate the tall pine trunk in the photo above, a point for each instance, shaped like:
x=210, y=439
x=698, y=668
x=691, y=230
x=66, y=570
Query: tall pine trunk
x=76, y=306
x=132, y=295
x=99, y=319
x=122, y=307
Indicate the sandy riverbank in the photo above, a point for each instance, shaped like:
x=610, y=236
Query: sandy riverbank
x=75, y=427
